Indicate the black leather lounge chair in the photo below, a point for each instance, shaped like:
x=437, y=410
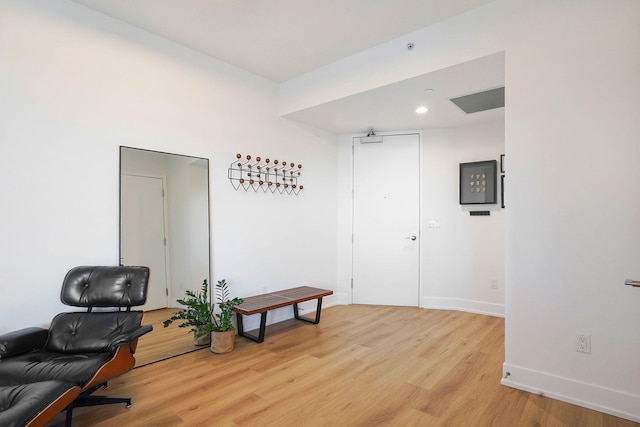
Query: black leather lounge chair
x=45, y=371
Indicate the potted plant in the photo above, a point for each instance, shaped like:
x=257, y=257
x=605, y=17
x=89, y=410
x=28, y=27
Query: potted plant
x=207, y=325
x=221, y=327
x=197, y=314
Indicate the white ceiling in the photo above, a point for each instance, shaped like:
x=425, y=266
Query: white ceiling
x=281, y=39
x=392, y=107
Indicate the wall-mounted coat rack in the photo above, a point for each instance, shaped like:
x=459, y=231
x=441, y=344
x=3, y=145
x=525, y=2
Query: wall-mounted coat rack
x=265, y=174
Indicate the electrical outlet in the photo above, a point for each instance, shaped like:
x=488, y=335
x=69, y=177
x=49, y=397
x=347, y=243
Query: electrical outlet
x=493, y=283
x=583, y=343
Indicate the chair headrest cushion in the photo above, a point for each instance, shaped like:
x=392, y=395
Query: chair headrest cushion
x=105, y=286
x=90, y=332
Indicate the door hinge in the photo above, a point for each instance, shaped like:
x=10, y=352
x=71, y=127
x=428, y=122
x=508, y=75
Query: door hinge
x=163, y=192
x=166, y=291
x=352, y=283
x=165, y=241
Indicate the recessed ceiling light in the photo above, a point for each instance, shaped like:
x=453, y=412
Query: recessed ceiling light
x=428, y=90
x=421, y=110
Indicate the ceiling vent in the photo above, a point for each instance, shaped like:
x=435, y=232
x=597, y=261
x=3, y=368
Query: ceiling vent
x=480, y=101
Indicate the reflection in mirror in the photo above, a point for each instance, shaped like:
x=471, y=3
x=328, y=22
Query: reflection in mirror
x=164, y=224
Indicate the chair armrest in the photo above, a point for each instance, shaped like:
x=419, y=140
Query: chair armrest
x=22, y=341
x=129, y=336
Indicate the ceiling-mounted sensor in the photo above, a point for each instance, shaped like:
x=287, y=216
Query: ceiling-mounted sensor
x=410, y=46
x=370, y=138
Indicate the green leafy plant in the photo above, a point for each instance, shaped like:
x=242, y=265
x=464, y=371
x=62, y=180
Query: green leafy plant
x=199, y=312
x=222, y=320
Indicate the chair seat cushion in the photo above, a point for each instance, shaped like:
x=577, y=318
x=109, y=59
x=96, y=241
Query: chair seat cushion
x=76, y=369
x=19, y=404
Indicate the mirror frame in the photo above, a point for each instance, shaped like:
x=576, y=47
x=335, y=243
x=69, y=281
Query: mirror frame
x=171, y=303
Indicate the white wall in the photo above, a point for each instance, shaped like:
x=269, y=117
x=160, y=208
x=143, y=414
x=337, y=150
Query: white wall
x=573, y=209
x=572, y=138
x=75, y=86
x=461, y=256
x=345, y=218
x=188, y=237
x=198, y=238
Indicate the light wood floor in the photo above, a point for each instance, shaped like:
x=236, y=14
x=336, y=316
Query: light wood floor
x=163, y=343
x=361, y=366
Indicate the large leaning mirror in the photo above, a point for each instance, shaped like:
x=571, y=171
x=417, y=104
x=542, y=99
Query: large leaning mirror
x=164, y=224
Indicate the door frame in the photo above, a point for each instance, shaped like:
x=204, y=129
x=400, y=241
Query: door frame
x=169, y=293
x=420, y=205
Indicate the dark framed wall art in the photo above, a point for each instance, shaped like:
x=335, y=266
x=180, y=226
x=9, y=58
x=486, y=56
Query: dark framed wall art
x=502, y=189
x=478, y=185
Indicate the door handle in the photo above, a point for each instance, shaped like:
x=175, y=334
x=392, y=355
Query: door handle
x=634, y=283
x=411, y=238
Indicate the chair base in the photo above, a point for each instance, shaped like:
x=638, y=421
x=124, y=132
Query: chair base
x=87, y=400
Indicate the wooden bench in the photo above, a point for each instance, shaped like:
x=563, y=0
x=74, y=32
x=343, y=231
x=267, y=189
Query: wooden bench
x=263, y=303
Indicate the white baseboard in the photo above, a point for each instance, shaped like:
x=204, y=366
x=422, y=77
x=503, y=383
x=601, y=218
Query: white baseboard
x=459, y=304
x=608, y=401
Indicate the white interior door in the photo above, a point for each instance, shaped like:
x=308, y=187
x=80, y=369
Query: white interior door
x=386, y=221
x=143, y=233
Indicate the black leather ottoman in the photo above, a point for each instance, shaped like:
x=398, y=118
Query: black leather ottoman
x=34, y=404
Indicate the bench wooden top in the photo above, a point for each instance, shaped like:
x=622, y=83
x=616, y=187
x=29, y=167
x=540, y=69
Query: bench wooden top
x=265, y=302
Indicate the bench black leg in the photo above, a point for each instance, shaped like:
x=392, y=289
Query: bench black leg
x=263, y=326
x=318, y=309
